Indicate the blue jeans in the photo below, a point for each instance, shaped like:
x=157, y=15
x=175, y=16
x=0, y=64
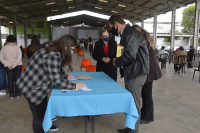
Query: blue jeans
x=3, y=80
x=11, y=78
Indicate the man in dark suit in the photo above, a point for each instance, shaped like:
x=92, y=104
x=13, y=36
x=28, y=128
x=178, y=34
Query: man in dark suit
x=134, y=60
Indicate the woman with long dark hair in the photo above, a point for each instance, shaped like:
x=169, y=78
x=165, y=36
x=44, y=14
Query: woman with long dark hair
x=147, y=113
x=35, y=43
x=43, y=71
x=104, y=53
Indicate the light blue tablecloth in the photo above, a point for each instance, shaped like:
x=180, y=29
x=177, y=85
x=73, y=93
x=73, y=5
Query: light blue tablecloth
x=106, y=97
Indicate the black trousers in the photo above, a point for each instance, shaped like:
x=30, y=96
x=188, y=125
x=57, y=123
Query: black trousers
x=90, y=51
x=147, y=112
x=109, y=73
x=38, y=112
x=11, y=78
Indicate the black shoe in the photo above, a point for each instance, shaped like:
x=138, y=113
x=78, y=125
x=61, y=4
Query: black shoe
x=126, y=130
x=123, y=130
x=144, y=122
x=53, y=128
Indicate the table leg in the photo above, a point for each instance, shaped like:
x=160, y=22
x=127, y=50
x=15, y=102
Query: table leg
x=86, y=121
x=92, y=124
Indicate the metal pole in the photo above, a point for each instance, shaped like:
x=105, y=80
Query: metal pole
x=9, y=29
x=196, y=26
x=142, y=22
x=155, y=28
x=0, y=35
x=32, y=27
x=15, y=26
x=173, y=28
x=25, y=32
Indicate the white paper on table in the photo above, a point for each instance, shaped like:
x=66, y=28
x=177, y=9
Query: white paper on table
x=79, y=77
x=73, y=78
x=83, y=87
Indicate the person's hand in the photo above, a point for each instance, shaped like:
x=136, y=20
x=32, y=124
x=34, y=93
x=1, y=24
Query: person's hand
x=114, y=61
x=69, y=76
x=107, y=60
x=10, y=68
x=78, y=86
x=103, y=59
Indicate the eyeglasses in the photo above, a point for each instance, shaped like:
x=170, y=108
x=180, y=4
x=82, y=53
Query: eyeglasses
x=105, y=36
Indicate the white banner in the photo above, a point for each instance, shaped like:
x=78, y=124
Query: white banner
x=59, y=31
x=85, y=33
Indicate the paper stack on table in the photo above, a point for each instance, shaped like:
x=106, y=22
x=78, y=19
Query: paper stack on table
x=83, y=87
x=80, y=77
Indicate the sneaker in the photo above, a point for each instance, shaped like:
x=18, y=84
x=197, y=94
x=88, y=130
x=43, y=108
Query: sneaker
x=11, y=96
x=53, y=128
x=17, y=95
x=2, y=93
x=54, y=119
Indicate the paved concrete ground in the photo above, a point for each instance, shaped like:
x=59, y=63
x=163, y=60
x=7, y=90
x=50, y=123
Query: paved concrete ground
x=176, y=105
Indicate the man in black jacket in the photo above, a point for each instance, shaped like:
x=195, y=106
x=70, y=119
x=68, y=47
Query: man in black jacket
x=134, y=60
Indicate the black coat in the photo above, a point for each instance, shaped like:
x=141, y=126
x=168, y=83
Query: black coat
x=154, y=69
x=190, y=55
x=135, y=59
x=99, y=53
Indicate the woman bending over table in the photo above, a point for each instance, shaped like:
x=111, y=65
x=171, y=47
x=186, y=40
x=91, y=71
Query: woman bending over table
x=43, y=71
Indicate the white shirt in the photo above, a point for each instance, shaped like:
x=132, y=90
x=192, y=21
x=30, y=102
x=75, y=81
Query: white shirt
x=162, y=52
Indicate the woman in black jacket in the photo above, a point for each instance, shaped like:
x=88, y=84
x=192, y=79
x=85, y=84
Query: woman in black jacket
x=104, y=52
x=147, y=110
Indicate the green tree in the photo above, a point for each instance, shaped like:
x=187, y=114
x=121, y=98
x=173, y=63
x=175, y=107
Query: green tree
x=169, y=39
x=188, y=19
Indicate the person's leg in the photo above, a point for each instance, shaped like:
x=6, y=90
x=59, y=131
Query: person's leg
x=3, y=80
x=135, y=87
x=17, y=71
x=10, y=75
x=90, y=52
x=175, y=68
x=147, y=102
x=38, y=112
x=108, y=72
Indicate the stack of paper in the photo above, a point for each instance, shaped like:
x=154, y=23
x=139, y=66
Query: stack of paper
x=83, y=88
x=80, y=77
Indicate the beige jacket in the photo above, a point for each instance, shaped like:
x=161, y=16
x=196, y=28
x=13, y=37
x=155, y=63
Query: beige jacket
x=11, y=55
x=181, y=52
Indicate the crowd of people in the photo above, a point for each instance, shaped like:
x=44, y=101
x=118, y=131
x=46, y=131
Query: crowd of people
x=138, y=64
x=187, y=58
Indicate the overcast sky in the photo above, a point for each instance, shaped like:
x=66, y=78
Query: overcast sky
x=167, y=17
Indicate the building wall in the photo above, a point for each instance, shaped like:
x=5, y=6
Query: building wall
x=20, y=32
